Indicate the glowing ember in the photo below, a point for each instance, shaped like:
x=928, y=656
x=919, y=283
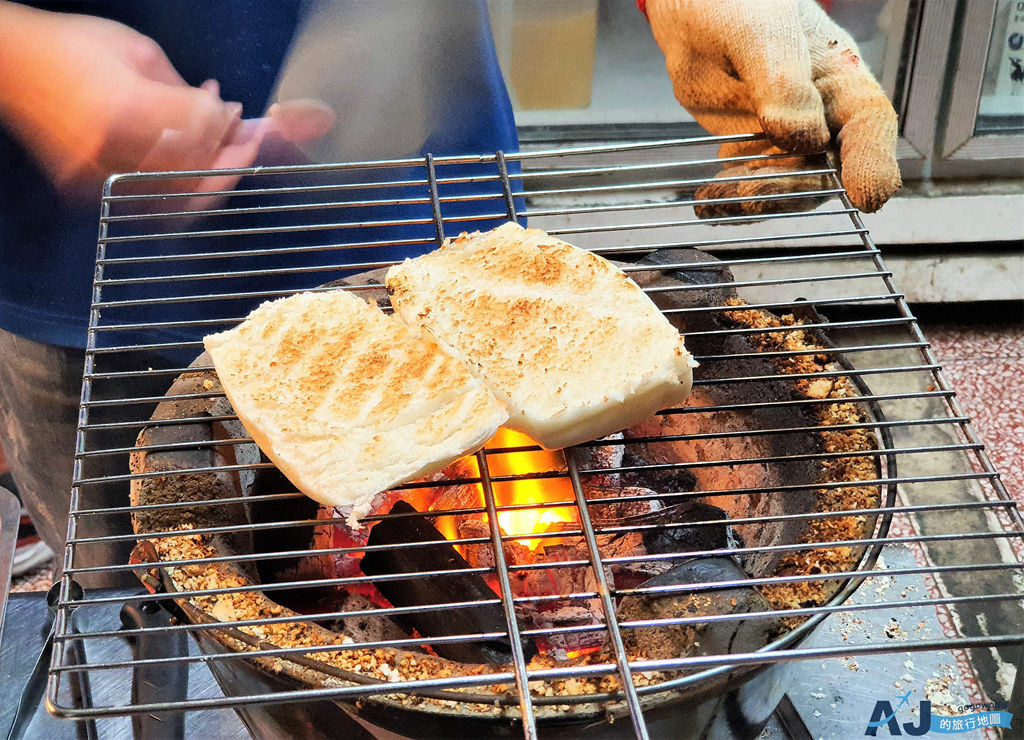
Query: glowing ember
x=526, y=496
x=529, y=493
x=573, y=654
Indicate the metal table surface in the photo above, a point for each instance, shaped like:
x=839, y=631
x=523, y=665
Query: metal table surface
x=26, y=626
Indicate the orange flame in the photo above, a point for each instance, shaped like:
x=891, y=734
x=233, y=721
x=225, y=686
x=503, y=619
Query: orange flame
x=532, y=491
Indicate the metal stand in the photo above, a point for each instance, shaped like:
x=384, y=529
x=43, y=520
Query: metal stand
x=1017, y=702
x=792, y=723
x=160, y=682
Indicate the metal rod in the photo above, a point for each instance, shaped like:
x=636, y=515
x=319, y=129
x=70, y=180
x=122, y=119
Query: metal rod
x=858, y=300
x=399, y=687
x=275, y=251
x=838, y=350
x=684, y=410
x=508, y=604
x=760, y=581
x=626, y=207
x=601, y=529
x=346, y=266
x=283, y=250
x=905, y=480
x=805, y=611
x=558, y=474
x=126, y=401
x=605, y=591
x=322, y=188
x=382, y=223
x=234, y=441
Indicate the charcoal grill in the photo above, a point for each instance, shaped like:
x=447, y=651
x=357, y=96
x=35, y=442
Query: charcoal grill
x=162, y=255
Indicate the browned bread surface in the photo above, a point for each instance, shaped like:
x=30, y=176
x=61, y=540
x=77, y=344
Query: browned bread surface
x=571, y=345
x=346, y=401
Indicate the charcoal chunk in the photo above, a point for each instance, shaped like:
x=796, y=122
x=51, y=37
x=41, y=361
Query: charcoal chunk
x=425, y=591
x=680, y=539
x=719, y=637
x=665, y=480
x=703, y=270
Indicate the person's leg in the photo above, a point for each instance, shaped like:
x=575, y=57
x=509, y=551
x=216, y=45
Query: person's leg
x=38, y=414
x=30, y=552
x=40, y=389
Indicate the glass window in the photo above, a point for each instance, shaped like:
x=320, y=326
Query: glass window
x=594, y=63
x=1001, y=107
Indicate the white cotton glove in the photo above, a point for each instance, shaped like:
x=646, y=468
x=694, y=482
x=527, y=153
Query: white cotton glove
x=784, y=68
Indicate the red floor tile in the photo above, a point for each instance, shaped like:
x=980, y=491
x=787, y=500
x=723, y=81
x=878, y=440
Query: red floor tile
x=985, y=365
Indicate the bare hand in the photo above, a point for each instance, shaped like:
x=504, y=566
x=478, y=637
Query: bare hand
x=90, y=97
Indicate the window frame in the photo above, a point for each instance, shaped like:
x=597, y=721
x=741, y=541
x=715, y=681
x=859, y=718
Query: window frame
x=961, y=142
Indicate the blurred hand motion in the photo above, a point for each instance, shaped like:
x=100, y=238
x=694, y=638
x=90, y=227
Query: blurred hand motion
x=781, y=67
x=89, y=97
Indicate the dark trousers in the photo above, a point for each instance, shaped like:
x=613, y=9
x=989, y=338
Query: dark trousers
x=40, y=390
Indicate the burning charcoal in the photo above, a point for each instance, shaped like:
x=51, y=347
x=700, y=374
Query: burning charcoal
x=564, y=579
x=436, y=589
x=710, y=271
x=477, y=555
x=806, y=312
x=631, y=573
x=666, y=481
x=606, y=459
x=175, y=488
x=672, y=539
x=558, y=644
x=667, y=538
x=697, y=638
x=456, y=497
x=279, y=539
x=616, y=508
x=365, y=628
x=705, y=268
x=482, y=555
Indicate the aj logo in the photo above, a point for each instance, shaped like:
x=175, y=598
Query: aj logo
x=884, y=714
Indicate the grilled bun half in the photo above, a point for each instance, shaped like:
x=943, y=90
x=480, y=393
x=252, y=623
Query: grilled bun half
x=572, y=347
x=346, y=401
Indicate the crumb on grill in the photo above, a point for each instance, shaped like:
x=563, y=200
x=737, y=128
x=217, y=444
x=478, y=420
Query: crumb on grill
x=834, y=470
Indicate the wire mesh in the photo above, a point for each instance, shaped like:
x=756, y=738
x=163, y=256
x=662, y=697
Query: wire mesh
x=172, y=267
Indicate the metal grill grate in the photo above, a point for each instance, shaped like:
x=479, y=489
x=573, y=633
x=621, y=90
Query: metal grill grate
x=170, y=269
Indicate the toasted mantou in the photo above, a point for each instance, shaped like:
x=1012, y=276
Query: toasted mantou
x=572, y=347
x=347, y=401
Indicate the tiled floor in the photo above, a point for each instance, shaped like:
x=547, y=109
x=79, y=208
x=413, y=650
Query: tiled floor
x=984, y=365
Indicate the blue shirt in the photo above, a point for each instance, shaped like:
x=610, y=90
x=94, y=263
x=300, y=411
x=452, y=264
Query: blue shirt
x=48, y=246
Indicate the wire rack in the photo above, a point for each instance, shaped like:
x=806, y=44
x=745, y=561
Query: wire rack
x=171, y=267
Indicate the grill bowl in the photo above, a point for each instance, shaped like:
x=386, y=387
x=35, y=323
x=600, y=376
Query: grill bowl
x=743, y=693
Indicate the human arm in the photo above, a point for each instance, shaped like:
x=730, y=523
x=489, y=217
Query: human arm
x=88, y=97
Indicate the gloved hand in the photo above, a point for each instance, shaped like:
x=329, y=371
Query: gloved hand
x=784, y=68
